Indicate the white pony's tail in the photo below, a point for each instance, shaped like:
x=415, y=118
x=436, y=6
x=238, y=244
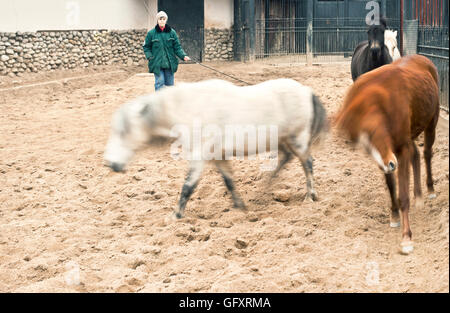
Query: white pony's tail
x=320, y=125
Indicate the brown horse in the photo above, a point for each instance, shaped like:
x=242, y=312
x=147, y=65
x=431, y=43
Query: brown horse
x=385, y=110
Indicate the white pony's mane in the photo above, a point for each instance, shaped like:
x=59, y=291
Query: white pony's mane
x=390, y=40
x=391, y=36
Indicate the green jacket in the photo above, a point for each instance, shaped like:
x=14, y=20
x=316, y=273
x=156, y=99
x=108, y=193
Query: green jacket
x=161, y=49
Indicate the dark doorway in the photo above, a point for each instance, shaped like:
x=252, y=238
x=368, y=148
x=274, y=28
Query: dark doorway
x=187, y=18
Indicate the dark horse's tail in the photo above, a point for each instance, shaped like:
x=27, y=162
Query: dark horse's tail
x=319, y=123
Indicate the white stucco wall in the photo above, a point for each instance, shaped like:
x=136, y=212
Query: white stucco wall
x=218, y=13
x=152, y=11
x=29, y=15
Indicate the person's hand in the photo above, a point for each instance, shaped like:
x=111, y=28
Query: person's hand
x=186, y=58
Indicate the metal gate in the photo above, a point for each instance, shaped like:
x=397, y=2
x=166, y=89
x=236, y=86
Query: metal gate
x=337, y=27
x=280, y=28
x=329, y=30
x=432, y=39
x=187, y=18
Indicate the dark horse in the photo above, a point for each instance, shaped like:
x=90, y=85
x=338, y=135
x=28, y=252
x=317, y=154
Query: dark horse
x=385, y=110
x=371, y=54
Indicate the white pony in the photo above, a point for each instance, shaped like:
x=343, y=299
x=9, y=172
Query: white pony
x=291, y=108
x=390, y=41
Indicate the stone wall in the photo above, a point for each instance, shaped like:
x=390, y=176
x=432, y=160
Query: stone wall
x=43, y=51
x=218, y=44
x=22, y=52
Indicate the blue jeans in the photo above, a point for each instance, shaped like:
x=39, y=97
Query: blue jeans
x=164, y=78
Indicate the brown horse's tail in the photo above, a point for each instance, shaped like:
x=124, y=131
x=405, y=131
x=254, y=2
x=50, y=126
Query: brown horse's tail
x=343, y=118
x=434, y=73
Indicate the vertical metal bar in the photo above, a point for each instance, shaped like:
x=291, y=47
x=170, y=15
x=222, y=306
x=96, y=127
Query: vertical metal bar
x=421, y=12
x=444, y=11
x=251, y=30
x=402, y=9
x=434, y=12
x=437, y=11
x=409, y=11
x=417, y=9
x=346, y=12
x=237, y=30
x=440, y=12
x=416, y=6
x=345, y=43
x=430, y=22
x=430, y=11
x=445, y=18
x=267, y=28
x=426, y=11
x=309, y=31
x=433, y=17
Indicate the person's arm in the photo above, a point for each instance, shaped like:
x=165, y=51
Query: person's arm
x=148, y=47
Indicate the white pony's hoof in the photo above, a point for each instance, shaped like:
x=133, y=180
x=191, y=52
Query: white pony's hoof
x=394, y=224
x=308, y=199
x=432, y=196
x=407, y=247
x=170, y=218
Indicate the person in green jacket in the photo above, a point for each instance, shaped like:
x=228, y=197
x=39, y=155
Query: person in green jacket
x=161, y=48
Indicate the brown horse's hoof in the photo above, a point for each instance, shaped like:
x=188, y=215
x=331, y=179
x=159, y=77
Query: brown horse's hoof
x=394, y=220
x=419, y=203
x=406, y=247
x=432, y=196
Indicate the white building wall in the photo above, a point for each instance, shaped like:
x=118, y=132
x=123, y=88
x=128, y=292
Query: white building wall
x=29, y=15
x=152, y=11
x=218, y=14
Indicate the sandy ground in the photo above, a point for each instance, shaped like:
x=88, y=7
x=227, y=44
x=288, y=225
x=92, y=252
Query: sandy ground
x=68, y=224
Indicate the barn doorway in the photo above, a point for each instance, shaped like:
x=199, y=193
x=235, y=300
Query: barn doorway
x=187, y=18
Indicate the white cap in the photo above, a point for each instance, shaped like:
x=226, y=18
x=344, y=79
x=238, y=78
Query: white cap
x=161, y=14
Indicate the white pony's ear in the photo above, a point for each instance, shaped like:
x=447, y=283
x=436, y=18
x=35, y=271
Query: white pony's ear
x=395, y=34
